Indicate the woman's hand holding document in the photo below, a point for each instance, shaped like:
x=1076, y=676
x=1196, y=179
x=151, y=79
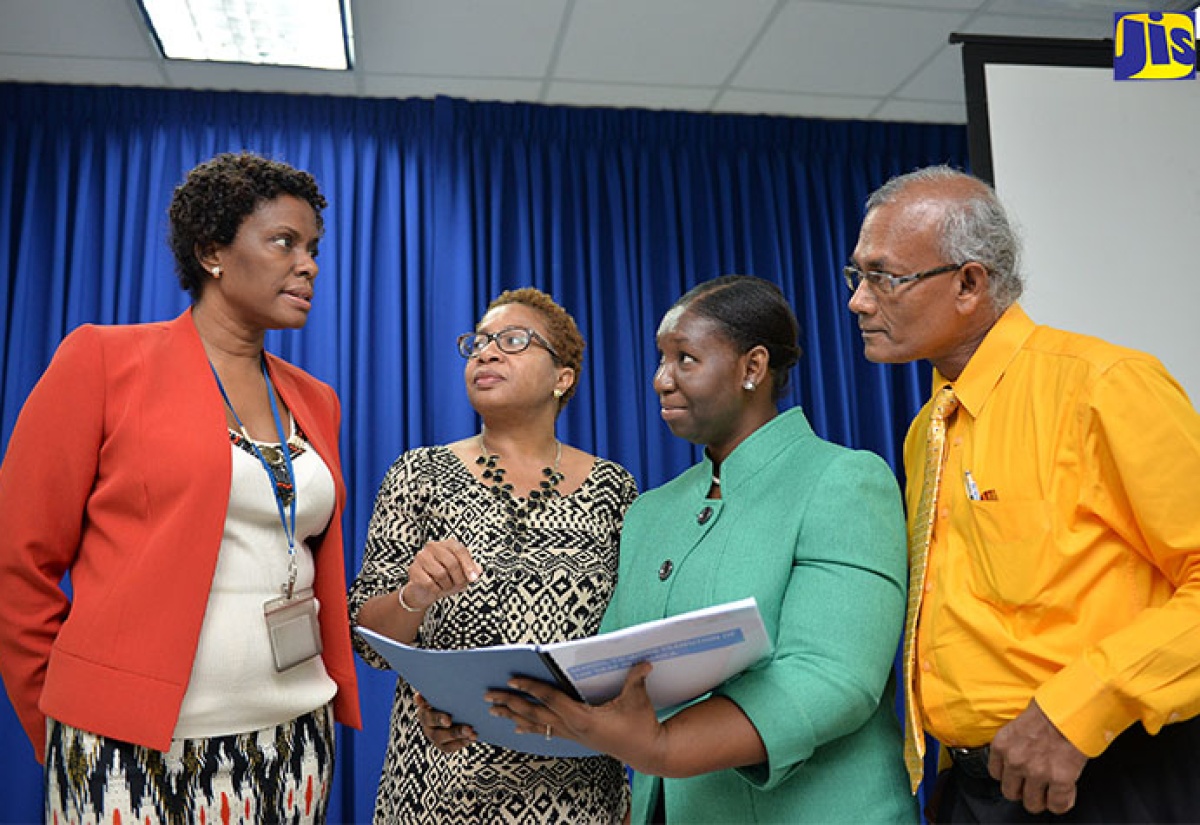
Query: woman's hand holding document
x=690, y=654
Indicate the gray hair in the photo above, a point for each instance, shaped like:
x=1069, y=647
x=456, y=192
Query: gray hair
x=975, y=227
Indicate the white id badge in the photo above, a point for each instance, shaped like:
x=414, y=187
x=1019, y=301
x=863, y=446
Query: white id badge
x=293, y=628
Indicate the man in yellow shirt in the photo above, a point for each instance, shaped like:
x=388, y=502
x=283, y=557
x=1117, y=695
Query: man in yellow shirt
x=1056, y=651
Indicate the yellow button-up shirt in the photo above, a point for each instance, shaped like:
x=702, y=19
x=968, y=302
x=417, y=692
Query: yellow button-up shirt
x=1065, y=561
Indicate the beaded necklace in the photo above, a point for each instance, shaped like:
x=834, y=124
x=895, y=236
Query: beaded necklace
x=494, y=473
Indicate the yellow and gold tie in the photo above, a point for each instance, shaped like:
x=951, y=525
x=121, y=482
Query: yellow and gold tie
x=919, y=535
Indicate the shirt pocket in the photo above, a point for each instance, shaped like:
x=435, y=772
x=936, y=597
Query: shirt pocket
x=1012, y=554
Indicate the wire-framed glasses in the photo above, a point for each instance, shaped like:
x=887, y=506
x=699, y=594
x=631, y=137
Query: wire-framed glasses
x=885, y=283
x=510, y=340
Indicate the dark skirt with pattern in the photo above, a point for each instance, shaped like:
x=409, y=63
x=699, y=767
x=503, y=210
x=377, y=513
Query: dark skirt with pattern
x=280, y=774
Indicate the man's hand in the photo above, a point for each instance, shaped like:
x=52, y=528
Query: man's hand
x=1035, y=764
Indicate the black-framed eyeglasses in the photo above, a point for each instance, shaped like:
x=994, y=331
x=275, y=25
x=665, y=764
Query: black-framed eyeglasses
x=510, y=340
x=885, y=283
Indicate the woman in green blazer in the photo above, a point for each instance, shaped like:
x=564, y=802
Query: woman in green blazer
x=814, y=532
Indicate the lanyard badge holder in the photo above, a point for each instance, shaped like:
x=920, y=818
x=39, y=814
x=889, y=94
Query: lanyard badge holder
x=293, y=628
x=292, y=625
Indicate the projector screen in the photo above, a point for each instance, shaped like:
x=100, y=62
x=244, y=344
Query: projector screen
x=1103, y=180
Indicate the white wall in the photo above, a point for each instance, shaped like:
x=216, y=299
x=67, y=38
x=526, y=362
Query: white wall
x=1103, y=178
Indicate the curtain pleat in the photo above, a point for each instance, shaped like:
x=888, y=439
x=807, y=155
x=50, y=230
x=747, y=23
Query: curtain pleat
x=435, y=207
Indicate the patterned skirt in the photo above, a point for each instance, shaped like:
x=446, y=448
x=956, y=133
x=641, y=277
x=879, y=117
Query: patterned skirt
x=280, y=774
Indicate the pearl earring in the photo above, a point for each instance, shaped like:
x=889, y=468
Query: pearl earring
x=216, y=272
x=749, y=386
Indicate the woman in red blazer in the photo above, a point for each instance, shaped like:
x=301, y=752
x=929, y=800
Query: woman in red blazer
x=204, y=651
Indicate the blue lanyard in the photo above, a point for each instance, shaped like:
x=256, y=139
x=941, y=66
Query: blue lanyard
x=289, y=520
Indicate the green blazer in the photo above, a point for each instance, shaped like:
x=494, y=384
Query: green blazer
x=815, y=533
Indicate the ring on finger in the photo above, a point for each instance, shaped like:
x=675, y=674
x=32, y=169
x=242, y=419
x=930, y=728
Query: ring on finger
x=549, y=734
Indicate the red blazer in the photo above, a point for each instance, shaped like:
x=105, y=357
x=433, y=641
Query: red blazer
x=118, y=472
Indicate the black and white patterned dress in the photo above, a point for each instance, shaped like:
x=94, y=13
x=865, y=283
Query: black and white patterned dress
x=549, y=569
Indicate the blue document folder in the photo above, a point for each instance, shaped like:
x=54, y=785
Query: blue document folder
x=454, y=681
x=692, y=653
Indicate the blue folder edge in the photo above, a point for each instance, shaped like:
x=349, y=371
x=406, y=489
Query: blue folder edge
x=454, y=682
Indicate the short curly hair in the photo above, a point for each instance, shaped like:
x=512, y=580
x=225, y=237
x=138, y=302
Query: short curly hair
x=209, y=206
x=561, y=329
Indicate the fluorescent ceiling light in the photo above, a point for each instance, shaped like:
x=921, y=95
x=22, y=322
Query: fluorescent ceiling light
x=311, y=33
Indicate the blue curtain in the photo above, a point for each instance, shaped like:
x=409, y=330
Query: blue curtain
x=435, y=206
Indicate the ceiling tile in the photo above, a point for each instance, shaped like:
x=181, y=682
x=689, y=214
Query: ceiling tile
x=939, y=80
x=467, y=88
x=917, y=111
x=196, y=75
x=1095, y=29
x=38, y=69
x=842, y=49
x=936, y=5
x=855, y=58
x=68, y=28
x=830, y=106
x=457, y=38
x=1082, y=9
x=639, y=96
x=664, y=42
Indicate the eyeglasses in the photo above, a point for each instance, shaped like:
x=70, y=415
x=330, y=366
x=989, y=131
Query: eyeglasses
x=510, y=340
x=885, y=283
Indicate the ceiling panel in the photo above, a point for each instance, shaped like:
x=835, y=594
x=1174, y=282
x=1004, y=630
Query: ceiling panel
x=69, y=70
x=687, y=42
x=469, y=88
x=457, y=38
x=1095, y=10
x=938, y=80
x=915, y=111
x=1041, y=26
x=96, y=28
x=847, y=49
x=190, y=74
x=830, y=106
x=937, y=5
x=645, y=97
x=874, y=59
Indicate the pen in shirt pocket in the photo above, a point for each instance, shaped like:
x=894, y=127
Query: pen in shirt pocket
x=973, y=489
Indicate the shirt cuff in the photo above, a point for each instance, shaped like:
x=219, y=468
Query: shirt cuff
x=1084, y=708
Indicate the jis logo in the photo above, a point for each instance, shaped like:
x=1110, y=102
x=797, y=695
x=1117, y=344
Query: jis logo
x=1155, y=45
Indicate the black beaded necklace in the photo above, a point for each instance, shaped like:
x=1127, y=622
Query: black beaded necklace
x=494, y=473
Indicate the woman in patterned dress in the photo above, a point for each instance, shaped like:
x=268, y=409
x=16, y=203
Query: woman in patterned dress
x=508, y=536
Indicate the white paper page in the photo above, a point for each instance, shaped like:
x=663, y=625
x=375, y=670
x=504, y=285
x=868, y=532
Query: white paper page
x=692, y=653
